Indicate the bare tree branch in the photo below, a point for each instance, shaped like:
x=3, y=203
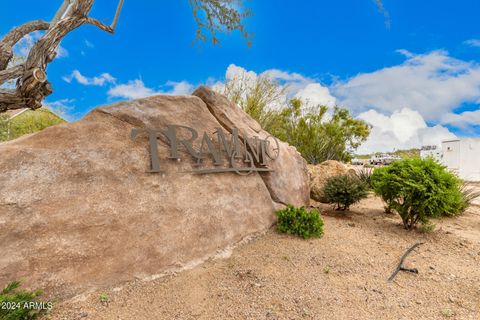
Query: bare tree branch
x=12, y=37
x=32, y=84
x=214, y=16
x=63, y=11
x=99, y=25
x=11, y=73
x=9, y=99
x=117, y=15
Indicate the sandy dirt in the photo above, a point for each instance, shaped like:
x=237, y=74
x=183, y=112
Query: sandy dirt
x=342, y=275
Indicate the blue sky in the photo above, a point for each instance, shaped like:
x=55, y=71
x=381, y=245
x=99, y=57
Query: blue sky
x=416, y=81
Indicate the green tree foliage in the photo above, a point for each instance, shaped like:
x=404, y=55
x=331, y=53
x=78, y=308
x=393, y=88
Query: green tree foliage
x=299, y=221
x=344, y=190
x=318, y=133
x=261, y=98
x=28, y=122
x=16, y=303
x=419, y=189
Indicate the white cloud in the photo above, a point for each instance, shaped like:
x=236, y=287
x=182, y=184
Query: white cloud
x=293, y=85
x=315, y=94
x=403, y=129
x=473, y=42
x=100, y=80
x=398, y=128
x=136, y=89
x=63, y=108
x=180, y=88
x=22, y=47
x=285, y=76
x=462, y=120
x=133, y=89
x=432, y=83
x=89, y=44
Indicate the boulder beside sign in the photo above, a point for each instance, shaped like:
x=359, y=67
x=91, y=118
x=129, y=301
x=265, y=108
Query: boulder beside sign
x=80, y=209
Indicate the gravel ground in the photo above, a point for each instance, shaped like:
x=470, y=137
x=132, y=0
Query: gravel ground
x=342, y=275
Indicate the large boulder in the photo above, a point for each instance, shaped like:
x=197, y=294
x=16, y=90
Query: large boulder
x=80, y=210
x=320, y=173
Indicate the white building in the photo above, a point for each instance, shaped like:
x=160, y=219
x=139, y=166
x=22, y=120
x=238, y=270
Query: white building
x=432, y=151
x=462, y=156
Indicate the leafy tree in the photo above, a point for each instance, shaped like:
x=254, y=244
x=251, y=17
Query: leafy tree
x=28, y=122
x=419, y=189
x=317, y=134
x=261, y=97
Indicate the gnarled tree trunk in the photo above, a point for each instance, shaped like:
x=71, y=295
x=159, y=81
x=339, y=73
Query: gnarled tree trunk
x=32, y=85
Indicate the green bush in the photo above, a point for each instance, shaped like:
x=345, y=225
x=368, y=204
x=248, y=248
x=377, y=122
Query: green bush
x=344, y=190
x=365, y=175
x=468, y=195
x=419, y=189
x=299, y=221
x=384, y=189
x=19, y=304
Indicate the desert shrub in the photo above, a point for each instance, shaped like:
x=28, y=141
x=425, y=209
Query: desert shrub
x=468, y=195
x=17, y=304
x=365, y=175
x=300, y=221
x=344, y=190
x=382, y=187
x=419, y=189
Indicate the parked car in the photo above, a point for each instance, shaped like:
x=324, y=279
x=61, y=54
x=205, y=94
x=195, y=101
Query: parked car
x=357, y=162
x=383, y=159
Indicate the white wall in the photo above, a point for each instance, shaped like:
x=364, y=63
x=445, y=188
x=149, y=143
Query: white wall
x=435, y=154
x=463, y=157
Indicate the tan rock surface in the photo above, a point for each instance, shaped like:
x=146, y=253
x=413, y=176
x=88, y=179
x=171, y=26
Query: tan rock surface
x=78, y=209
x=289, y=183
x=320, y=173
